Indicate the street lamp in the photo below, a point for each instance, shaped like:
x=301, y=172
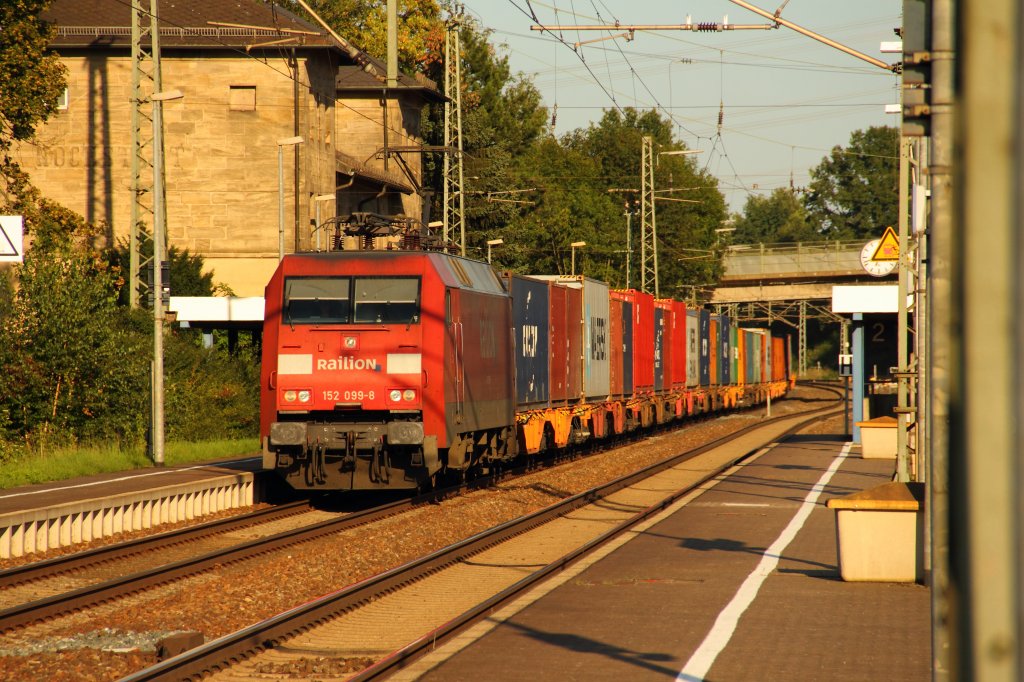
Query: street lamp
x=493, y=242
x=281, y=144
x=574, y=246
x=157, y=384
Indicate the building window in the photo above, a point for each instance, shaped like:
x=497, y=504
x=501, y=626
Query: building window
x=62, y=101
x=242, y=98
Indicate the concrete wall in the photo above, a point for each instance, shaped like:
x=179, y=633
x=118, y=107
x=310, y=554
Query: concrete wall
x=221, y=152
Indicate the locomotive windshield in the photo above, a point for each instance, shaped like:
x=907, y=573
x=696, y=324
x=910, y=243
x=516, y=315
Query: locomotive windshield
x=351, y=300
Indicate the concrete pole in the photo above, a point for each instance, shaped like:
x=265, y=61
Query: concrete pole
x=392, y=43
x=629, y=242
x=858, y=374
x=943, y=350
x=280, y=201
x=158, y=286
x=902, y=372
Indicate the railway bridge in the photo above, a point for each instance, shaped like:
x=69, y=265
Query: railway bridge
x=789, y=283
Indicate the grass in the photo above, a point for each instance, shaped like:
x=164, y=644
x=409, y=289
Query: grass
x=64, y=463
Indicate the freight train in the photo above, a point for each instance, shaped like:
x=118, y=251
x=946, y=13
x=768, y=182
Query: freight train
x=395, y=369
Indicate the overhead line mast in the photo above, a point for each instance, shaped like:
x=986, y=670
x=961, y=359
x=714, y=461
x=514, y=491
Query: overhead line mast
x=454, y=218
x=145, y=81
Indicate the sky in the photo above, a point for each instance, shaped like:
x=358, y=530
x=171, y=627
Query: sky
x=785, y=99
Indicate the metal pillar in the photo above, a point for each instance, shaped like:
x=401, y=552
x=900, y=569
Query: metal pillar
x=943, y=348
x=903, y=369
x=858, y=374
x=802, y=340
x=648, y=224
x=629, y=242
x=454, y=218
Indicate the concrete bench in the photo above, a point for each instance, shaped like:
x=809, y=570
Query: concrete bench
x=878, y=438
x=880, y=533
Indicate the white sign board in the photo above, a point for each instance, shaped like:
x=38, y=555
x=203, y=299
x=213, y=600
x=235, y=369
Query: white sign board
x=11, y=231
x=865, y=299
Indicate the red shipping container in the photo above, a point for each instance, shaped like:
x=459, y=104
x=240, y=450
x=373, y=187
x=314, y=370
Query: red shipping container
x=678, y=353
x=642, y=323
x=558, y=345
x=615, y=345
x=778, y=358
x=765, y=350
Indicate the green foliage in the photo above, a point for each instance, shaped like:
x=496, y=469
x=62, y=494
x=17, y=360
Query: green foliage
x=31, y=80
x=777, y=218
x=60, y=464
x=364, y=24
x=186, y=271
x=689, y=207
x=75, y=363
x=570, y=208
x=853, y=192
x=208, y=392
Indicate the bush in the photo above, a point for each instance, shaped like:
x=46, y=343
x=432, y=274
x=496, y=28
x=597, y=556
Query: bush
x=77, y=364
x=209, y=394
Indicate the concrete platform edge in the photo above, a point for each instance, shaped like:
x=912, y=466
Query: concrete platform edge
x=37, y=530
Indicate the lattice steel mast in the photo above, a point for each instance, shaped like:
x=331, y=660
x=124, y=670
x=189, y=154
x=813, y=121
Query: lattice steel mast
x=146, y=80
x=648, y=224
x=454, y=219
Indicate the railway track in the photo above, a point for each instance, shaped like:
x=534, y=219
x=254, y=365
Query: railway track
x=356, y=629
x=159, y=551
x=47, y=589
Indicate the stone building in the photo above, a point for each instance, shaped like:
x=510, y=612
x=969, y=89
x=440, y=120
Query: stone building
x=252, y=74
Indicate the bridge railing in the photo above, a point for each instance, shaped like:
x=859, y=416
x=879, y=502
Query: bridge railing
x=746, y=261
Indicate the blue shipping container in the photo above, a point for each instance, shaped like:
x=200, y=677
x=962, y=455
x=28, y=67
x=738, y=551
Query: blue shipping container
x=704, y=324
x=530, y=323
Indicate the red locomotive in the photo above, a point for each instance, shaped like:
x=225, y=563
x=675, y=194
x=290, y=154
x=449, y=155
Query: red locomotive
x=385, y=369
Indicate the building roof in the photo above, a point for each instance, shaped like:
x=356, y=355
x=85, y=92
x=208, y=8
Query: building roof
x=349, y=165
x=184, y=23
x=220, y=24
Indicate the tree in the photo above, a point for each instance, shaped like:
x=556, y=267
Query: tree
x=31, y=80
x=689, y=207
x=364, y=24
x=568, y=207
x=777, y=218
x=853, y=192
x=75, y=366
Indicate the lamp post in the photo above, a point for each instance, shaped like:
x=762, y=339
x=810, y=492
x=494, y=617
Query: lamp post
x=574, y=246
x=493, y=242
x=157, y=383
x=281, y=144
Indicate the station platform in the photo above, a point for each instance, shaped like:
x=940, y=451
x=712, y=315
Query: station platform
x=38, y=517
x=738, y=582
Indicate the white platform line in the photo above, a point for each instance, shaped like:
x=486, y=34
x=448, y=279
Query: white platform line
x=126, y=478
x=725, y=625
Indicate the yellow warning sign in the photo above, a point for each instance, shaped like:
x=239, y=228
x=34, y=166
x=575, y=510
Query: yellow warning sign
x=888, y=247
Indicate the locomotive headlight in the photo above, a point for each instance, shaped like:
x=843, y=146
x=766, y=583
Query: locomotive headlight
x=395, y=395
x=305, y=396
x=409, y=394
x=351, y=342
x=289, y=396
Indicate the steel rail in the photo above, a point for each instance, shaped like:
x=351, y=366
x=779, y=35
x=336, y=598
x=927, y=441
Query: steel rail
x=49, y=568
x=236, y=646
x=429, y=641
x=56, y=605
